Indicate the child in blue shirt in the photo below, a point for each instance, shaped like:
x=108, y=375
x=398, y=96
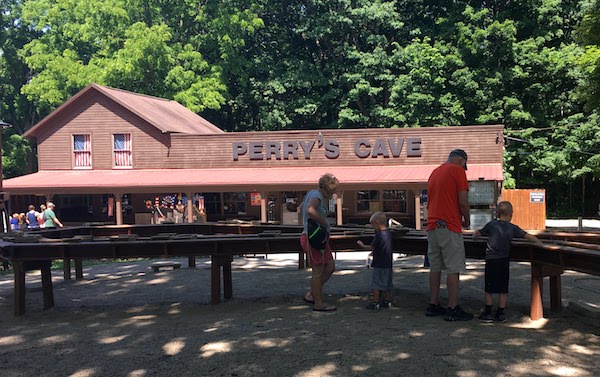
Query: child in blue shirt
x=382, y=283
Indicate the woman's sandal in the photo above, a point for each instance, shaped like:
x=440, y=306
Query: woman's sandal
x=329, y=308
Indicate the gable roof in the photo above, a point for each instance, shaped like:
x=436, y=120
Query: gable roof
x=166, y=115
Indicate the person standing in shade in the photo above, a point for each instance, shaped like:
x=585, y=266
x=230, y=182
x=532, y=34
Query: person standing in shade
x=321, y=261
x=448, y=212
x=32, y=218
x=500, y=234
x=51, y=221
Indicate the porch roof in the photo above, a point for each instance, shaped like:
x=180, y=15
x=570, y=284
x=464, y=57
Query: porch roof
x=230, y=179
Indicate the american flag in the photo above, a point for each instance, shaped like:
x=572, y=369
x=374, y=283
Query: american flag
x=83, y=150
x=122, y=148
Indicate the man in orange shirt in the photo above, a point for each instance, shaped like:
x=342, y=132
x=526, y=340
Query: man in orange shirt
x=448, y=212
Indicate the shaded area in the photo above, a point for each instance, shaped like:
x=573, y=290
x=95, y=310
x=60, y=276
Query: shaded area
x=127, y=321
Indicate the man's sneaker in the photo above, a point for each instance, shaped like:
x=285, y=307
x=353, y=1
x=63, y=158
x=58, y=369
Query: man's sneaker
x=486, y=317
x=433, y=310
x=500, y=317
x=374, y=306
x=457, y=314
x=386, y=304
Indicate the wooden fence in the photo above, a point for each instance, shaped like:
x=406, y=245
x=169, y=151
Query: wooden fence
x=529, y=207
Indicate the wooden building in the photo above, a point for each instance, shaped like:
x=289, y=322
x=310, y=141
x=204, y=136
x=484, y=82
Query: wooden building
x=105, y=152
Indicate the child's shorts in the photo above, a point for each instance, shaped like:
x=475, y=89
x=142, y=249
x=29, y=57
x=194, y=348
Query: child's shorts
x=382, y=279
x=497, y=273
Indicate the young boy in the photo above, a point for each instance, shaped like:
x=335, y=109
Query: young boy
x=382, y=263
x=500, y=234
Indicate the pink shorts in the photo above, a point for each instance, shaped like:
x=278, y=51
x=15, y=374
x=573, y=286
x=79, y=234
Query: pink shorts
x=316, y=256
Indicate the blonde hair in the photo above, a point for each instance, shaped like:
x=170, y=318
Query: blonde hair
x=328, y=183
x=378, y=218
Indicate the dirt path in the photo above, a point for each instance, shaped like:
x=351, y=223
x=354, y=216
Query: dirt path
x=124, y=320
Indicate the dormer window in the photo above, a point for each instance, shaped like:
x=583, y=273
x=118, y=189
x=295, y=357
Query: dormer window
x=122, y=150
x=82, y=152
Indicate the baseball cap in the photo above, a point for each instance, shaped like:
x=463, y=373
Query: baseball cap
x=459, y=153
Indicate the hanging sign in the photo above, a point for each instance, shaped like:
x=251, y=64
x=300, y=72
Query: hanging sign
x=255, y=199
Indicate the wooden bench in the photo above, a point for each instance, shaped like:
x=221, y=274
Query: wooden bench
x=156, y=266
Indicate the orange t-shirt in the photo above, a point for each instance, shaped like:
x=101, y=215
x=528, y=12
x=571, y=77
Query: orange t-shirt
x=442, y=196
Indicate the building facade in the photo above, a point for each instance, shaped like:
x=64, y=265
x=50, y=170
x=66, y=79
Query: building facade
x=106, y=153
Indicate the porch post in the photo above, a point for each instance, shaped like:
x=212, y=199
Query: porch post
x=338, y=204
x=190, y=207
x=119, y=208
x=263, y=207
x=417, y=212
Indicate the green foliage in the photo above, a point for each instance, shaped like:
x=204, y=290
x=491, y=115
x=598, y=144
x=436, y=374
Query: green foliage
x=16, y=153
x=532, y=65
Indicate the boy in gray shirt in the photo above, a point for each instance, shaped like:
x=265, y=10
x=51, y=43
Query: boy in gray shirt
x=500, y=234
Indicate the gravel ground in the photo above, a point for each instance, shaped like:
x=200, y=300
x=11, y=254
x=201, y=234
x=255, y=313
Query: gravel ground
x=124, y=320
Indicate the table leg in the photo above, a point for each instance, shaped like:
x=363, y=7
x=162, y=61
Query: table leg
x=67, y=268
x=227, y=279
x=47, y=285
x=555, y=293
x=192, y=262
x=78, y=269
x=215, y=280
x=19, y=288
x=537, y=280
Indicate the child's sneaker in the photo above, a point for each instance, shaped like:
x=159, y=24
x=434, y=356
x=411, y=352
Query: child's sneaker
x=486, y=317
x=500, y=317
x=374, y=306
x=433, y=310
x=457, y=314
x=386, y=304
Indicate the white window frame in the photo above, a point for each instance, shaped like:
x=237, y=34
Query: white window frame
x=74, y=152
x=114, y=162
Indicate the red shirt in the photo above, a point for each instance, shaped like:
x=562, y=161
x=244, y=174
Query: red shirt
x=442, y=196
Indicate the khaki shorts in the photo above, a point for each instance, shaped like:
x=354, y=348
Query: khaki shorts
x=446, y=250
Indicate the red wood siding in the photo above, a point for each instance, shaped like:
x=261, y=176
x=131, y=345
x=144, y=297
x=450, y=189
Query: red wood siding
x=101, y=118
x=214, y=151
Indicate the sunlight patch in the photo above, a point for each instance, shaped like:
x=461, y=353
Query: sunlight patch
x=581, y=349
x=111, y=339
x=174, y=347
x=346, y=272
x=403, y=356
x=515, y=342
x=272, y=342
x=530, y=324
x=565, y=371
x=55, y=339
x=158, y=281
x=211, y=349
x=416, y=334
x=84, y=373
x=467, y=373
x=321, y=370
x=359, y=368
x=137, y=373
x=11, y=340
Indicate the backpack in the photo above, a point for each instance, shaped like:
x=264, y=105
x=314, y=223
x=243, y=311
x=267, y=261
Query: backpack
x=317, y=235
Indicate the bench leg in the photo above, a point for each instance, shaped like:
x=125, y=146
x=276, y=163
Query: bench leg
x=47, y=286
x=78, y=269
x=19, y=299
x=537, y=280
x=215, y=281
x=555, y=293
x=67, y=268
x=227, y=280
